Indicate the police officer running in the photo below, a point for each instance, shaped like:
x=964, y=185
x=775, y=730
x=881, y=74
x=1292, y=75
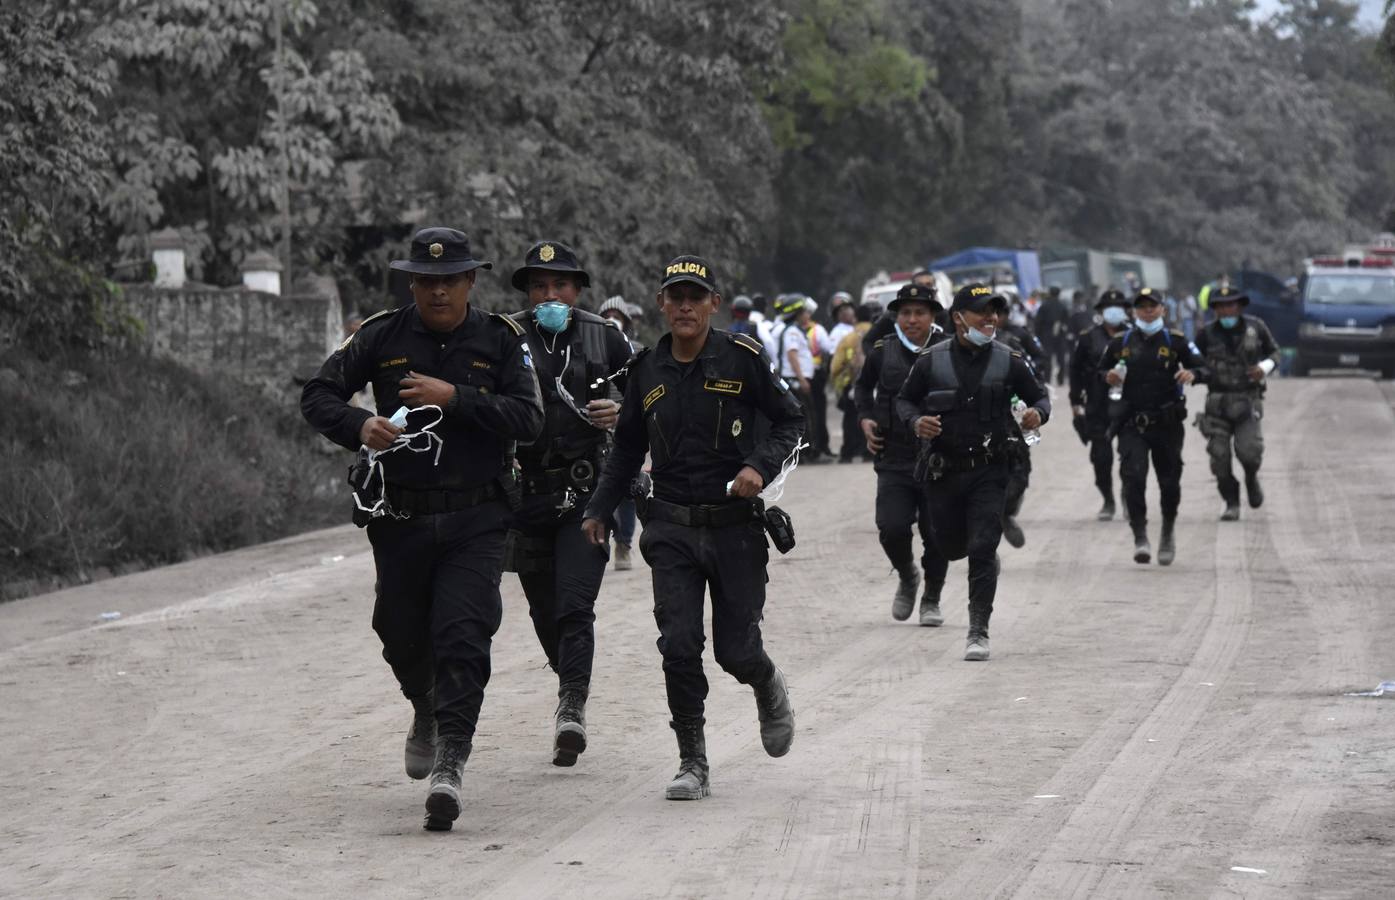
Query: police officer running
x=1152, y=364
x=1240, y=353
x=438, y=527
x=691, y=403
x=1017, y=334
x=902, y=501
x=575, y=352
x=1089, y=394
x=957, y=399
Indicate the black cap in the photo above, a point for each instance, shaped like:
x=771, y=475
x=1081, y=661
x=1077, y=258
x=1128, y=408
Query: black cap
x=689, y=268
x=741, y=302
x=1228, y=295
x=976, y=298
x=1113, y=297
x=1147, y=295
x=439, y=251
x=915, y=293
x=550, y=256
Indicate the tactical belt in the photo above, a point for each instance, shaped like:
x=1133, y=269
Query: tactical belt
x=425, y=503
x=702, y=516
x=1168, y=415
x=580, y=475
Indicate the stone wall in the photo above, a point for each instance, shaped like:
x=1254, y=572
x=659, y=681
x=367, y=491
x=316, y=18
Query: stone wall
x=265, y=340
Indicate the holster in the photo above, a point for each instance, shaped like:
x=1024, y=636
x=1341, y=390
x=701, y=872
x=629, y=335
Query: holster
x=780, y=527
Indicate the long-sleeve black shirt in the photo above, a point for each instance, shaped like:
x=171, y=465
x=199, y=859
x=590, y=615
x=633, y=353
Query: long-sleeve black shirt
x=1230, y=352
x=697, y=420
x=1152, y=363
x=887, y=365
x=1087, y=385
x=496, y=400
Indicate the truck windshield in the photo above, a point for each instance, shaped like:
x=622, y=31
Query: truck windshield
x=1356, y=289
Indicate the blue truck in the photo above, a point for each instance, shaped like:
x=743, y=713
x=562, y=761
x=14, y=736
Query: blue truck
x=1347, y=310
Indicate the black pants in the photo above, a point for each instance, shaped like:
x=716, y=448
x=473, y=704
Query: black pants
x=438, y=606
x=1019, y=477
x=561, y=573
x=685, y=562
x=1164, y=444
x=1096, y=428
x=966, y=518
x=818, y=411
x=901, y=504
x=1061, y=353
x=854, y=443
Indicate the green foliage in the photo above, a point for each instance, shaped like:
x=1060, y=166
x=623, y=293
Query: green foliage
x=54, y=169
x=149, y=468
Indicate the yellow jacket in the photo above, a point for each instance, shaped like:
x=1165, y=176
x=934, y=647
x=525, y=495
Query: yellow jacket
x=847, y=358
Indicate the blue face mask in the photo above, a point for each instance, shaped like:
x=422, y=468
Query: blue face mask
x=909, y=344
x=1229, y=321
x=976, y=337
x=552, y=316
x=1152, y=327
x=1114, y=316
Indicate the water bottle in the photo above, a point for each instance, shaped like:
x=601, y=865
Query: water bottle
x=1019, y=409
x=1116, y=391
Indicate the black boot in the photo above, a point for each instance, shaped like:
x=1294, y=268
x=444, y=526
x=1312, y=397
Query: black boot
x=691, y=781
x=1167, y=546
x=904, y=601
x=1252, y=489
x=421, y=737
x=1106, y=512
x=1142, y=550
x=1230, y=493
x=976, y=647
x=930, y=615
x=569, y=737
x=443, y=803
x=775, y=714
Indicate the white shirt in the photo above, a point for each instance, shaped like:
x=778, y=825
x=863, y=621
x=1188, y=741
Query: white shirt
x=842, y=329
x=786, y=337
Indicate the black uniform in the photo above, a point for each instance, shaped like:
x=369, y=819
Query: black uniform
x=1088, y=389
x=438, y=569
x=1021, y=339
x=970, y=389
x=561, y=570
x=1051, y=329
x=1152, y=416
x=696, y=421
x=901, y=500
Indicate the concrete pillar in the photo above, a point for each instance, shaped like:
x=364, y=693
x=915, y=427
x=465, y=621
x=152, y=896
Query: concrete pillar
x=167, y=249
x=262, y=272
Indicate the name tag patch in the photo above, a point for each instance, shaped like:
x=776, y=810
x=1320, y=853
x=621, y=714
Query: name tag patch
x=722, y=385
x=388, y=364
x=653, y=396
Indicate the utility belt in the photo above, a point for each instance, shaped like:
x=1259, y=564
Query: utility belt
x=580, y=475
x=701, y=516
x=1170, y=414
x=776, y=522
x=932, y=465
x=425, y=503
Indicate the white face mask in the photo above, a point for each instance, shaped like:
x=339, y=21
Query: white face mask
x=1152, y=327
x=1114, y=316
x=976, y=337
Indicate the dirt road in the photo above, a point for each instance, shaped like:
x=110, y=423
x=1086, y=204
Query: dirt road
x=1139, y=731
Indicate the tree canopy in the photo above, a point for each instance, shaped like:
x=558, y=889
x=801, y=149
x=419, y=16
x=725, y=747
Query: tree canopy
x=799, y=144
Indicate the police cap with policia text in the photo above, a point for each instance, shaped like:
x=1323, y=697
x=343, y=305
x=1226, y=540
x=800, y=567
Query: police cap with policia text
x=977, y=298
x=690, y=268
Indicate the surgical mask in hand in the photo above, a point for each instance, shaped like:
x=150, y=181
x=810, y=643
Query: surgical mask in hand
x=1229, y=321
x=552, y=316
x=1152, y=327
x=1114, y=316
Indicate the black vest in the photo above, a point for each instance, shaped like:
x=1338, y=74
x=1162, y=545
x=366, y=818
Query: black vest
x=896, y=363
x=565, y=436
x=1230, y=362
x=977, y=419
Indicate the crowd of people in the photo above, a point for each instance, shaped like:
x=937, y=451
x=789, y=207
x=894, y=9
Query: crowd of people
x=529, y=442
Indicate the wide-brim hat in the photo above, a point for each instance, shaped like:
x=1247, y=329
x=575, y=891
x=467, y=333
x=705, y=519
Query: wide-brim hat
x=439, y=251
x=549, y=256
x=915, y=293
x=1112, y=297
x=1228, y=295
x=977, y=298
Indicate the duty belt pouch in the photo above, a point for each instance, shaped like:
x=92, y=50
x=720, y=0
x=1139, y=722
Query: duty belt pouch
x=512, y=487
x=937, y=402
x=930, y=465
x=780, y=527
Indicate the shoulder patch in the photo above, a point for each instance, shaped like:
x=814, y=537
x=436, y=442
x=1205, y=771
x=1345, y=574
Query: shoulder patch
x=745, y=340
x=509, y=321
x=879, y=343
x=380, y=314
